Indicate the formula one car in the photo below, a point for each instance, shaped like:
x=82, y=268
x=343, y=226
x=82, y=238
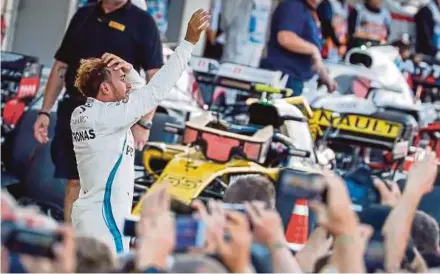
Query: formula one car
x=212, y=150
x=226, y=86
x=372, y=110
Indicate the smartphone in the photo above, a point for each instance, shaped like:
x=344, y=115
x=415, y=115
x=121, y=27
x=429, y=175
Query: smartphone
x=130, y=226
x=190, y=231
x=36, y=242
x=235, y=207
x=240, y=208
x=302, y=185
x=374, y=256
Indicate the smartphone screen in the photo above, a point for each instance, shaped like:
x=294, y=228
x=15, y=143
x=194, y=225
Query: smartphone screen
x=235, y=207
x=130, y=226
x=301, y=185
x=190, y=232
x=357, y=192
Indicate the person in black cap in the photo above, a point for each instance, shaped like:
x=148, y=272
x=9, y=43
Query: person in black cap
x=114, y=26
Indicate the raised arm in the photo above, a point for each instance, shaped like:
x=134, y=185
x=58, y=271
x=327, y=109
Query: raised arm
x=145, y=98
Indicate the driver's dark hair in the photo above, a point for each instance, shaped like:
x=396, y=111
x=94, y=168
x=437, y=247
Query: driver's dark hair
x=247, y=188
x=89, y=76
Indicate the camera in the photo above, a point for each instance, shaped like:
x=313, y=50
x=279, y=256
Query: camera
x=36, y=242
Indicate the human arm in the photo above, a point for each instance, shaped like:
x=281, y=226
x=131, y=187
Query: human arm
x=325, y=14
x=317, y=246
x=146, y=99
x=397, y=227
x=55, y=81
x=340, y=220
x=53, y=89
x=155, y=231
x=294, y=43
x=151, y=59
x=141, y=130
x=288, y=29
x=268, y=230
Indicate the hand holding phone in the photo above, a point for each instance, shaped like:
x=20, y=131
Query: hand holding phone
x=302, y=185
x=42, y=250
x=20, y=239
x=267, y=225
x=336, y=214
x=190, y=232
x=234, y=251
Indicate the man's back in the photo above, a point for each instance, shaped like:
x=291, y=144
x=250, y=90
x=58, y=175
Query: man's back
x=105, y=164
x=102, y=153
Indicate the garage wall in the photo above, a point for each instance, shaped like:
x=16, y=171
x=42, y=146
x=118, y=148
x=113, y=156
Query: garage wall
x=39, y=28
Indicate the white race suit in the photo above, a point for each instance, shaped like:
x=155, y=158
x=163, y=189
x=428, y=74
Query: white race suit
x=104, y=150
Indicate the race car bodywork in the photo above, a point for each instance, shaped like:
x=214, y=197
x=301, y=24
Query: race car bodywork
x=373, y=107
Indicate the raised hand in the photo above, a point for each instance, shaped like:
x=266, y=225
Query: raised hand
x=389, y=195
x=267, y=225
x=198, y=23
x=116, y=62
x=423, y=173
x=156, y=230
x=215, y=221
x=337, y=216
x=235, y=253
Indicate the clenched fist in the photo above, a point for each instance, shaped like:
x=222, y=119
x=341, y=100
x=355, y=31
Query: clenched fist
x=198, y=23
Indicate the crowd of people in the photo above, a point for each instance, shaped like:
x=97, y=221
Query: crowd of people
x=390, y=237
x=107, y=109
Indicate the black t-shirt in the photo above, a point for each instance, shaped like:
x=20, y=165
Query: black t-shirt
x=425, y=31
x=128, y=32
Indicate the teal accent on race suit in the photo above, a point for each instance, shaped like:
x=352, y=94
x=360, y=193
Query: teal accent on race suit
x=107, y=207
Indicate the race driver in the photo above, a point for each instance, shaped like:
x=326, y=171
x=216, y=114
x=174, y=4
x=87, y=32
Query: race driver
x=117, y=97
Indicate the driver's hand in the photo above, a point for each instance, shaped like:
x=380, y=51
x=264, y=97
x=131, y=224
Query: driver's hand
x=116, y=62
x=198, y=23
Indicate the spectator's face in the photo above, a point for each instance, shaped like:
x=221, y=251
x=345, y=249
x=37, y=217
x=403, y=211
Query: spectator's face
x=375, y=3
x=405, y=54
x=118, y=87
